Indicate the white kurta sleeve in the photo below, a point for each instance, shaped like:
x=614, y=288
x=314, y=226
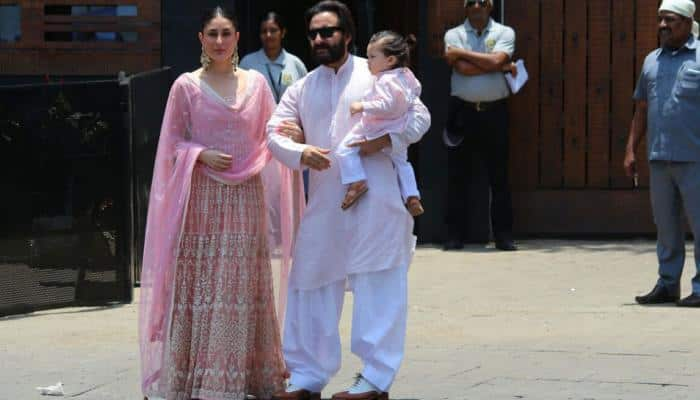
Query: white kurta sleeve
x=418, y=124
x=287, y=151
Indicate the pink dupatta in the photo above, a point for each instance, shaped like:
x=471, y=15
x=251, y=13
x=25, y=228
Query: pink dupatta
x=197, y=118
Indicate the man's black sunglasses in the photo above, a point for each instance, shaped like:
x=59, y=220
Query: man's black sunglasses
x=482, y=3
x=325, y=32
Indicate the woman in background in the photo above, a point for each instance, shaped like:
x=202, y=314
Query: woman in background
x=280, y=68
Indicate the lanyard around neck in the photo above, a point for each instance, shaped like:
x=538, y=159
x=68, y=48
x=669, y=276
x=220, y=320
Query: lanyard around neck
x=276, y=87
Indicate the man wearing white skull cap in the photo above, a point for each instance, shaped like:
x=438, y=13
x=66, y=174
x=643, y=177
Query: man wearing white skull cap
x=668, y=110
x=685, y=8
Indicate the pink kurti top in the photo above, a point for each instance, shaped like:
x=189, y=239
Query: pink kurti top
x=387, y=103
x=374, y=235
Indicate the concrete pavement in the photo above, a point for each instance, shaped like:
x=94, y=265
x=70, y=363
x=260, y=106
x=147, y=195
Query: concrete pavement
x=555, y=320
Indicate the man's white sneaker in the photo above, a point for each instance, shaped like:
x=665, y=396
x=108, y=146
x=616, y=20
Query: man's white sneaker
x=362, y=389
x=362, y=385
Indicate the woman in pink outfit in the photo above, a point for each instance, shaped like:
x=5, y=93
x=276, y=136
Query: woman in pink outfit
x=384, y=109
x=208, y=328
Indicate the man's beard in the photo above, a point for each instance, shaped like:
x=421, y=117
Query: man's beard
x=334, y=52
x=666, y=38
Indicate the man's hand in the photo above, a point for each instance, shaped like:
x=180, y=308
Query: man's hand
x=467, y=69
x=316, y=158
x=292, y=130
x=356, y=107
x=368, y=147
x=638, y=129
x=487, y=62
x=512, y=68
x=451, y=56
x=630, y=163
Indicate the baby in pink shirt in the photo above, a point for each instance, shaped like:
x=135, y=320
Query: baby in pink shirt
x=384, y=110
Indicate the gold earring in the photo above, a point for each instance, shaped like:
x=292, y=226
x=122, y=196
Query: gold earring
x=204, y=59
x=234, y=60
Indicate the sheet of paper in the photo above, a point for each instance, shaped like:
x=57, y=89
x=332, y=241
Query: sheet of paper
x=517, y=82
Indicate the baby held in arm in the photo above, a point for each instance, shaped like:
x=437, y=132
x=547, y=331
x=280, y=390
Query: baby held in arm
x=384, y=109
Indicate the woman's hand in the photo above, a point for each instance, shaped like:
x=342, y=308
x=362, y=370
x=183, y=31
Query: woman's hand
x=292, y=130
x=215, y=159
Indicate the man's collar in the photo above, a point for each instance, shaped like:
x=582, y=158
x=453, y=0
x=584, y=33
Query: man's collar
x=279, y=60
x=346, y=65
x=468, y=26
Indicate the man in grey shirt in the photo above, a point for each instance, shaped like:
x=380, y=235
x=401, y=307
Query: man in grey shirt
x=478, y=51
x=668, y=108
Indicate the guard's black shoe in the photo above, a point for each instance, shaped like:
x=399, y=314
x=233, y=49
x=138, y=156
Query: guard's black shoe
x=506, y=245
x=691, y=301
x=505, y=242
x=660, y=294
x=453, y=244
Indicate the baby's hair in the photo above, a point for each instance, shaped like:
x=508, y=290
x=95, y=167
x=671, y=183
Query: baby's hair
x=393, y=44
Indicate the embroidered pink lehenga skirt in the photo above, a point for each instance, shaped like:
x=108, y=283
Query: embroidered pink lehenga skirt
x=224, y=341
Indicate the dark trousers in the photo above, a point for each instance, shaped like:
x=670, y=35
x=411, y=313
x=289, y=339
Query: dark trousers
x=485, y=133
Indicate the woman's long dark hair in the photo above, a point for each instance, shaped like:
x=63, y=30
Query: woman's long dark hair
x=274, y=17
x=218, y=11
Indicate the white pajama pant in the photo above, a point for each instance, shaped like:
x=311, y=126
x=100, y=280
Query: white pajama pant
x=351, y=169
x=311, y=342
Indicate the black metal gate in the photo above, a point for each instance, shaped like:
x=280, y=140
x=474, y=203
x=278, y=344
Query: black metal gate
x=147, y=96
x=63, y=196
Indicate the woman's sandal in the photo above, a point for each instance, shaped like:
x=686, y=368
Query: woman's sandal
x=353, y=194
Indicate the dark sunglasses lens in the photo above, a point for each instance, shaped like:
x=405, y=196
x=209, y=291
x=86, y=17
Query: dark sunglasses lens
x=474, y=2
x=324, y=32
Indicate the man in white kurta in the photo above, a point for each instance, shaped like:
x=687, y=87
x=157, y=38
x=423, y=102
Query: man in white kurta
x=368, y=247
